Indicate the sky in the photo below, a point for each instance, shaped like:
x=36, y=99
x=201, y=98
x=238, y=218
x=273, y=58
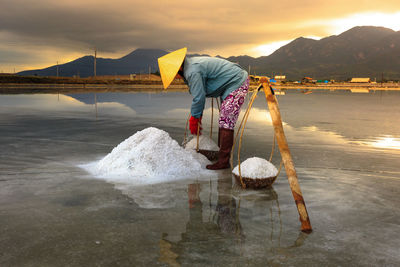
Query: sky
x=40, y=33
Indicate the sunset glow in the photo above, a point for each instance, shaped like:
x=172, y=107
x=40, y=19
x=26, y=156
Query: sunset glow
x=36, y=37
x=267, y=49
x=387, y=20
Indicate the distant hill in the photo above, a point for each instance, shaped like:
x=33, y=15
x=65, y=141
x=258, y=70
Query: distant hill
x=138, y=61
x=361, y=51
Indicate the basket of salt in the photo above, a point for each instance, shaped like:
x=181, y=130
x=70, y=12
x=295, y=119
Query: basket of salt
x=206, y=146
x=203, y=144
x=256, y=173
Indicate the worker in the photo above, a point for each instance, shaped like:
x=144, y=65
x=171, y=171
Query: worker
x=209, y=77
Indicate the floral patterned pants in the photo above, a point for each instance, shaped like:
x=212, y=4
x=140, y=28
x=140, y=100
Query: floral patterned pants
x=230, y=107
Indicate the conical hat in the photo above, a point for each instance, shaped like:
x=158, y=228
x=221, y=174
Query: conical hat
x=169, y=65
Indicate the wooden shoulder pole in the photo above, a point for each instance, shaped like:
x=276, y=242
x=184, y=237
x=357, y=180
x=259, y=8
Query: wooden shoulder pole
x=287, y=157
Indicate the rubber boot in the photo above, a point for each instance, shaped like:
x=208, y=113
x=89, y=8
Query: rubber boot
x=226, y=142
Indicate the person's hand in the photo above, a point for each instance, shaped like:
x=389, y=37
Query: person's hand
x=193, y=124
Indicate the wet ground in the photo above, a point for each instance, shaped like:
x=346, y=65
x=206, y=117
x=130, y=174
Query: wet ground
x=346, y=149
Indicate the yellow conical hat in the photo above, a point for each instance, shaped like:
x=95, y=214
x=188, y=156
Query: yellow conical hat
x=169, y=65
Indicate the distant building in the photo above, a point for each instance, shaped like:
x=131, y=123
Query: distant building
x=257, y=78
x=360, y=80
x=280, y=77
x=307, y=80
x=322, y=81
x=131, y=77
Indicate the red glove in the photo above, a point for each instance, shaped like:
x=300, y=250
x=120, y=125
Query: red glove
x=193, y=124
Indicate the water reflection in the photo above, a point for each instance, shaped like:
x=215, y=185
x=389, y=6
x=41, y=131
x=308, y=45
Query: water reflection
x=353, y=128
x=210, y=223
x=387, y=142
x=382, y=142
x=202, y=238
x=315, y=126
x=221, y=234
x=153, y=105
x=264, y=204
x=63, y=104
x=303, y=126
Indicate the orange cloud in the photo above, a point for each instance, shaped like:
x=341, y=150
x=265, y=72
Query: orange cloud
x=69, y=28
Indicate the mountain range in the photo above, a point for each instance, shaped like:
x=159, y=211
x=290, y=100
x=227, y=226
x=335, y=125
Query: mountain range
x=363, y=51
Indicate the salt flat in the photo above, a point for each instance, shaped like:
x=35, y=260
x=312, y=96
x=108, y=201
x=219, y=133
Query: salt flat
x=52, y=212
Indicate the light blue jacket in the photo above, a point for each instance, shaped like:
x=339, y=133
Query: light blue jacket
x=211, y=77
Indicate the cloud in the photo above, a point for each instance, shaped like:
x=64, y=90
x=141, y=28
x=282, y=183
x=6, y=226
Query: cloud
x=117, y=27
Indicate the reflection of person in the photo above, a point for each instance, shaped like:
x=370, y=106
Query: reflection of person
x=209, y=77
x=227, y=212
x=227, y=221
x=194, y=195
x=222, y=231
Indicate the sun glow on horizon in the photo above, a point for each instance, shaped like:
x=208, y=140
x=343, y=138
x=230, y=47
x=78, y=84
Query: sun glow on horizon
x=268, y=49
x=337, y=26
x=313, y=37
x=28, y=58
x=387, y=20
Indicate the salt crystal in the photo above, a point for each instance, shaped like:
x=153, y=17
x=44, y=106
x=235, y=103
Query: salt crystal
x=147, y=157
x=205, y=143
x=256, y=168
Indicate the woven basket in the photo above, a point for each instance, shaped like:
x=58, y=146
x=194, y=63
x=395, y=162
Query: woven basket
x=256, y=183
x=210, y=154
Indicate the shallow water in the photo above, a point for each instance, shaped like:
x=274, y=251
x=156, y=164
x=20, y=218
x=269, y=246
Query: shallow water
x=346, y=149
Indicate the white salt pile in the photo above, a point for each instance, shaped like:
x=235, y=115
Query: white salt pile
x=147, y=157
x=205, y=143
x=256, y=168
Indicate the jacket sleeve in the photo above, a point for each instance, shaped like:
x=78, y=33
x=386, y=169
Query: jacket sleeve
x=198, y=91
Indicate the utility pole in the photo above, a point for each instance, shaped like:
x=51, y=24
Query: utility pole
x=57, y=69
x=95, y=57
x=149, y=71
